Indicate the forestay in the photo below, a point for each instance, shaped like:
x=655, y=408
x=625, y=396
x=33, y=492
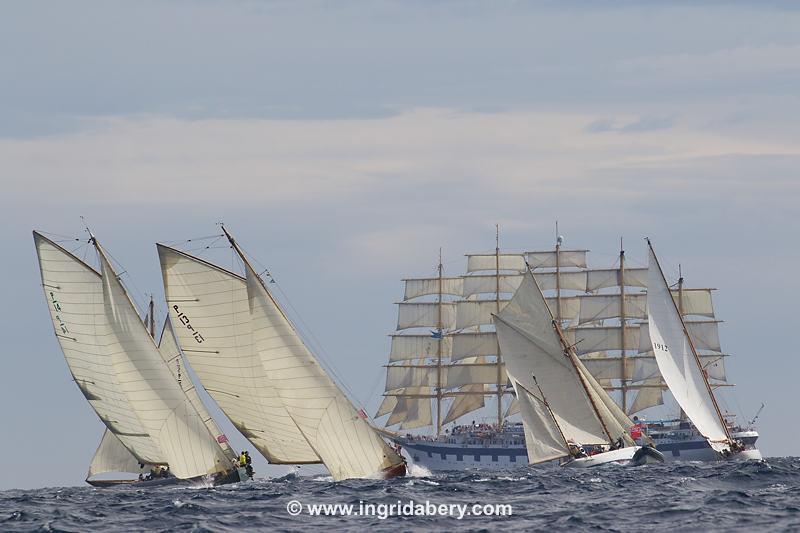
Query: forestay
x=678, y=362
x=211, y=310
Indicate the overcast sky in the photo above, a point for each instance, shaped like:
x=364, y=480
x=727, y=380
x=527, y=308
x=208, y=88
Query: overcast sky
x=345, y=142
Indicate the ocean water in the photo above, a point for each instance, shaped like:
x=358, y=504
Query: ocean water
x=752, y=496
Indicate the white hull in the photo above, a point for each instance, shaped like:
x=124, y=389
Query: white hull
x=623, y=455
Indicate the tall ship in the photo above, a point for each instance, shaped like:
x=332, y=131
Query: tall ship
x=447, y=398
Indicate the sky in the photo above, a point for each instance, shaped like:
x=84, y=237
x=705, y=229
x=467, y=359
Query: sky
x=344, y=142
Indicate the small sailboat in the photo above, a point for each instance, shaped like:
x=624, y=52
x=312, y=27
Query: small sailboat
x=234, y=334
x=150, y=421
x=563, y=407
x=681, y=368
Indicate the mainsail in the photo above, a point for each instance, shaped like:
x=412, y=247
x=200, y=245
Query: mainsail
x=538, y=359
x=336, y=430
x=211, y=309
x=679, y=362
x=74, y=293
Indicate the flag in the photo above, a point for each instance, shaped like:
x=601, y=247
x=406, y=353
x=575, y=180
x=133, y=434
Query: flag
x=222, y=439
x=363, y=414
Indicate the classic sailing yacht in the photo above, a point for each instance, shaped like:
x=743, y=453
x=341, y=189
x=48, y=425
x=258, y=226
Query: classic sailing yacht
x=445, y=353
x=115, y=363
x=682, y=368
x=571, y=410
x=252, y=361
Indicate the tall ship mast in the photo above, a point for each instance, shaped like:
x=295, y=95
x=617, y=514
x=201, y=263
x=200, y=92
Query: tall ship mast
x=602, y=312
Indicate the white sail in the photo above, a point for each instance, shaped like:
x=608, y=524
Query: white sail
x=171, y=355
x=403, y=376
x=547, y=259
x=695, y=302
x=602, y=338
x=430, y=286
x=417, y=413
x=478, y=262
x=407, y=347
x=165, y=411
x=531, y=347
x=650, y=396
x=347, y=444
x=466, y=403
x=543, y=438
x=472, y=313
x=602, y=278
x=211, y=311
x=425, y=315
x=74, y=294
x=473, y=343
x=484, y=284
x=602, y=306
x=704, y=335
x=112, y=456
x=677, y=361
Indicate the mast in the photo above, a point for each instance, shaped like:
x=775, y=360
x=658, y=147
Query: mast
x=682, y=414
x=559, y=239
x=694, y=350
x=623, y=327
x=439, y=353
x=497, y=302
x=568, y=352
x=152, y=320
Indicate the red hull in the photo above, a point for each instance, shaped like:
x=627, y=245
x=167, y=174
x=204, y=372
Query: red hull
x=395, y=471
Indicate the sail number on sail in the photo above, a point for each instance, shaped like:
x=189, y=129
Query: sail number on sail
x=185, y=321
x=57, y=307
x=659, y=346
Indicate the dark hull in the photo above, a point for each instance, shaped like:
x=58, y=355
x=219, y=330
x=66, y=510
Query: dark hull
x=394, y=471
x=220, y=479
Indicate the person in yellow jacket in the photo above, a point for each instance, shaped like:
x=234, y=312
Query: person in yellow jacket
x=242, y=459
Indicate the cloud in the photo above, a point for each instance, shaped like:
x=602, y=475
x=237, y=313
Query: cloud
x=639, y=125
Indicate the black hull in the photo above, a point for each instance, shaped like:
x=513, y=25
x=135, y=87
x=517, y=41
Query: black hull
x=219, y=479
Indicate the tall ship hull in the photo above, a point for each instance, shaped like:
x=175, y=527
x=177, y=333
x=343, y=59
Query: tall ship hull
x=446, y=366
x=492, y=450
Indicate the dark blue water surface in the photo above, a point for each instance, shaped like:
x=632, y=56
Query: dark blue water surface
x=687, y=496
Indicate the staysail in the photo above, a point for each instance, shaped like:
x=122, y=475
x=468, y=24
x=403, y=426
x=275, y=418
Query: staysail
x=678, y=361
x=112, y=456
x=211, y=310
x=337, y=431
x=155, y=395
x=74, y=293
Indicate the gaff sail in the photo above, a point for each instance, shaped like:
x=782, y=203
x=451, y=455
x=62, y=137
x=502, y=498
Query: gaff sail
x=532, y=346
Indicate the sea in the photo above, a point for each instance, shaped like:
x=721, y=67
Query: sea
x=747, y=496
